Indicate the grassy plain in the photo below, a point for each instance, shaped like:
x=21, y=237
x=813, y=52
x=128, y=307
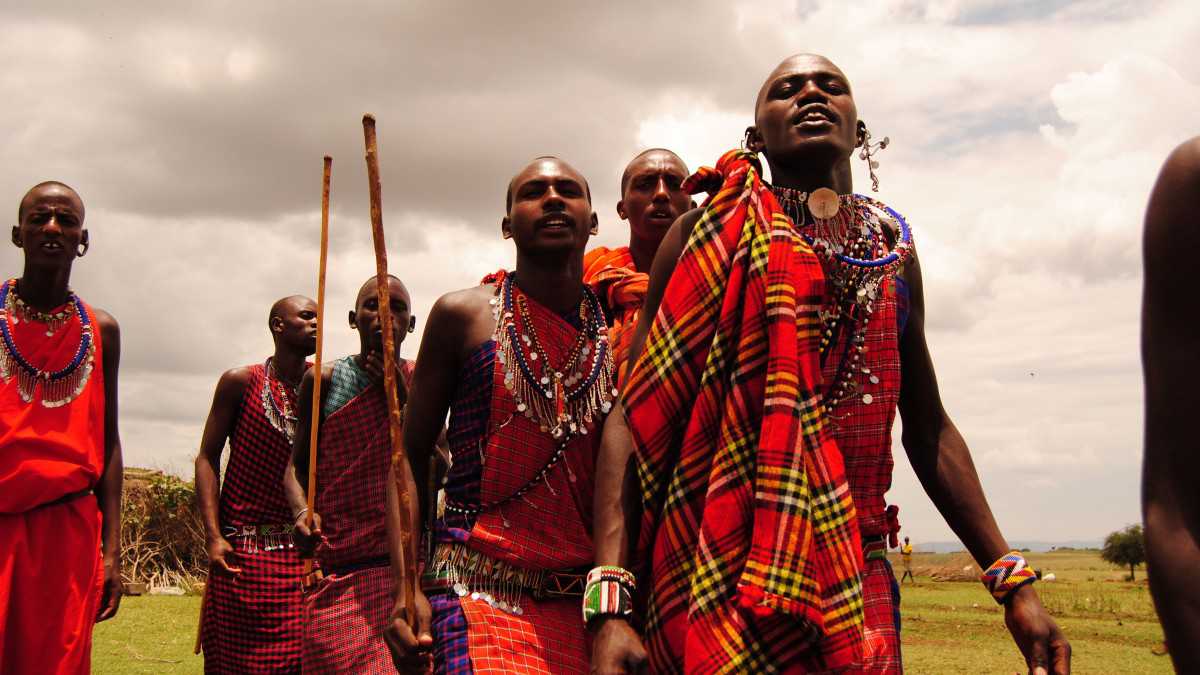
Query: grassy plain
x=948, y=626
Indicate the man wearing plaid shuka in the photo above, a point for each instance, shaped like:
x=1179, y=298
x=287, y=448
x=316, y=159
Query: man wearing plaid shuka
x=652, y=197
x=481, y=608
x=252, y=603
x=346, y=611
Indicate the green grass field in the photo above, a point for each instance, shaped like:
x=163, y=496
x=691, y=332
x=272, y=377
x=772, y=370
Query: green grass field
x=948, y=627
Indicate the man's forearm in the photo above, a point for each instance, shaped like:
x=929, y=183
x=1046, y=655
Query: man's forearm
x=293, y=491
x=208, y=496
x=617, y=497
x=108, y=498
x=943, y=464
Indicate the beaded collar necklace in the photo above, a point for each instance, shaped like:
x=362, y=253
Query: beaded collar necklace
x=58, y=387
x=564, y=398
x=853, y=248
x=279, y=401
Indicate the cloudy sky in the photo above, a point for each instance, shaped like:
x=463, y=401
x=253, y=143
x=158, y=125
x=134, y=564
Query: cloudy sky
x=1026, y=136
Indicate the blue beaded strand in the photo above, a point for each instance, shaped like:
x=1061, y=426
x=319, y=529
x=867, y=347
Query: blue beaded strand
x=85, y=341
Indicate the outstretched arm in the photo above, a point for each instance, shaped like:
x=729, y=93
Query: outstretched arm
x=221, y=419
x=617, y=501
x=108, y=490
x=942, y=462
x=1171, y=361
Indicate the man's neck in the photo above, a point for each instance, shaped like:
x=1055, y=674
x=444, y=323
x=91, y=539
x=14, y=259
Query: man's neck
x=288, y=364
x=642, y=251
x=44, y=288
x=555, y=283
x=807, y=178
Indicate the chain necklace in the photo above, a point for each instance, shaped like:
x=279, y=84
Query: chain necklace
x=853, y=248
x=58, y=387
x=565, y=398
x=279, y=401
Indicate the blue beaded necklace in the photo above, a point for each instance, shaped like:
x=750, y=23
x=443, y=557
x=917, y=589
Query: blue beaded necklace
x=58, y=387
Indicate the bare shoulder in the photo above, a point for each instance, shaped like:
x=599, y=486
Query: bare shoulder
x=684, y=224
x=462, y=305
x=1172, y=224
x=109, y=328
x=235, y=377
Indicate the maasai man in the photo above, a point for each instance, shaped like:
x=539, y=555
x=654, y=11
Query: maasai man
x=347, y=611
x=807, y=125
x=522, y=364
x=60, y=453
x=652, y=197
x=252, y=605
x=1171, y=359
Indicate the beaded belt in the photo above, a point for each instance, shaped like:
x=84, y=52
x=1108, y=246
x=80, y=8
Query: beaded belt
x=500, y=584
x=252, y=538
x=875, y=548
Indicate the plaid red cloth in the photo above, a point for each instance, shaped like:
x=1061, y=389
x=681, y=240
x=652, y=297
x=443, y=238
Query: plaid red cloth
x=748, y=523
x=611, y=274
x=547, y=528
x=344, y=619
x=251, y=489
x=252, y=621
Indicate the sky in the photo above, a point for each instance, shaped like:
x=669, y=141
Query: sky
x=1025, y=139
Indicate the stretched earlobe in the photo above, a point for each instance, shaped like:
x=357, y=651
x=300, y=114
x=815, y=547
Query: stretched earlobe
x=621, y=210
x=595, y=229
x=353, y=322
x=412, y=324
x=16, y=236
x=506, y=228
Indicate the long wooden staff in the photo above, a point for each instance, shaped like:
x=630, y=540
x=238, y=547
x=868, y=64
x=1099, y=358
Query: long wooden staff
x=315, y=418
x=408, y=565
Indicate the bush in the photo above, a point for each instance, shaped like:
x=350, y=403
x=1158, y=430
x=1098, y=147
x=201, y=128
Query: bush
x=162, y=536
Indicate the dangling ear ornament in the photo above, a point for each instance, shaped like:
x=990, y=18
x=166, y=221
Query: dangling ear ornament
x=868, y=153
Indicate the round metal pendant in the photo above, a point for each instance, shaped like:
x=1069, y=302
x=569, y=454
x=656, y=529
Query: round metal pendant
x=823, y=203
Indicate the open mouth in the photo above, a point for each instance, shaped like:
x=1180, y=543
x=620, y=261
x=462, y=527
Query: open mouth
x=52, y=247
x=554, y=221
x=814, y=115
x=661, y=216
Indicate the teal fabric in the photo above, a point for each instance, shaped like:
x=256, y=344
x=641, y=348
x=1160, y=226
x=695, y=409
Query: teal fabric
x=347, y=381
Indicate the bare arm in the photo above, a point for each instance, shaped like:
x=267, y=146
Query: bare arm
x=617, y=501
x=1171, y=361
x=108, y=490
x=222, y=417
x=942, y=462
x=295, y=475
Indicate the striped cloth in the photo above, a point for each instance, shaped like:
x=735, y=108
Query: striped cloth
x=748, y=524
x=252, y=620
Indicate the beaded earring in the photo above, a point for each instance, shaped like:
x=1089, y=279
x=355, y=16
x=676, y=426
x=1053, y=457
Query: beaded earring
x=868, y=153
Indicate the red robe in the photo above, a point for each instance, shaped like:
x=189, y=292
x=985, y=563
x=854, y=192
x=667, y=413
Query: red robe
x=50, y=566
x=612, y=274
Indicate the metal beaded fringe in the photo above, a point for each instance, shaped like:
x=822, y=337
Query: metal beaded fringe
x=58, y=387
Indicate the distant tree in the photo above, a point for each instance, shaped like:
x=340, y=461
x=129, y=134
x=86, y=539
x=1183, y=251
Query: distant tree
x=1125, y=547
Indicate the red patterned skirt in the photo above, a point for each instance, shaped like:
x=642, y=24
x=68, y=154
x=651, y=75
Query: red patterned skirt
x=344, y=620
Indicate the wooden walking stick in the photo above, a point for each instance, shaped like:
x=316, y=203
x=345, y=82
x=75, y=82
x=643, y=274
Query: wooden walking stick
x=408, y=564
x=315, y=419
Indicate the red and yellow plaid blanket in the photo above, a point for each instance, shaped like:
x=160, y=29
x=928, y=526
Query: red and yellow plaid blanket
x=748, y=526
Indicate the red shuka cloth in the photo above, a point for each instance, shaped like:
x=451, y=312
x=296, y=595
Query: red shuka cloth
x=345, y=615
x=252, y=620
x=610, y=272
x=50, y=569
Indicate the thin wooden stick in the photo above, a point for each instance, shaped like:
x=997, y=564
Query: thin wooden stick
x=315, y=419
x=408, y=564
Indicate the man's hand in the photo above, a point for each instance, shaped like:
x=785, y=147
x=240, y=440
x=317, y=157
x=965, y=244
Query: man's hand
x=1045, y=649
x=219, y=550
x=617, y=649
x=411, y=652
x=306, y=540
x=110, y=594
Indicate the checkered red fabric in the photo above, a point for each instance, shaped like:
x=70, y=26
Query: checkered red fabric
x=353, y=457
x=252, y=621
x=550, y=526
x=863, y=431
x=344, y=620
x=252, y=488
x=547, y=639
x=747, y=522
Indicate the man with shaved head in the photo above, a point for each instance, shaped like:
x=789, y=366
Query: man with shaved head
x=346, y=611
x=522, y=365
x=60, y=450
x=745, y=476
x=652, y=197
x=253, y=603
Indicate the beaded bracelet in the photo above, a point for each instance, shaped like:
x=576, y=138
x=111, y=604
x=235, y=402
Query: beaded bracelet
x=1006, y=575
x=609, y=592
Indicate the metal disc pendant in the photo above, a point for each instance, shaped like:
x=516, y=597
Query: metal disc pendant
x=867, y=399
x=823, y=203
